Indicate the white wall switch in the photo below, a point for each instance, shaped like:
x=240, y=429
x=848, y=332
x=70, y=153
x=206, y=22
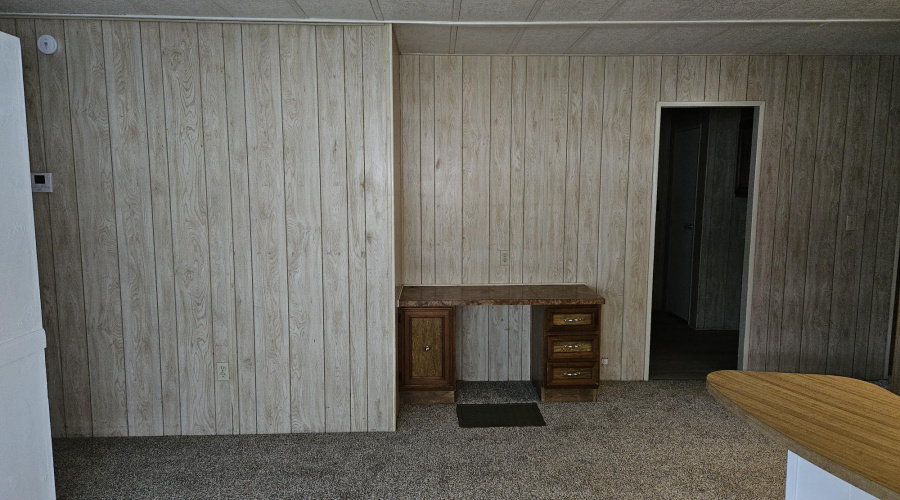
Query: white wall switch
x=41, y=182
x=604, y=361
x=504, y=257
x=222, y=371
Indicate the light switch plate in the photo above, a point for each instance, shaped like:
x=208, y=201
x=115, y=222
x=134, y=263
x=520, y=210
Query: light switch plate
x=41, y=182
x=222, y=371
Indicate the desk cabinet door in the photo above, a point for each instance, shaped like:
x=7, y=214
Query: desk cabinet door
x=427, y=348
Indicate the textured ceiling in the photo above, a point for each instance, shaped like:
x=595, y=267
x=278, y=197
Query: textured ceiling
x=559, y=26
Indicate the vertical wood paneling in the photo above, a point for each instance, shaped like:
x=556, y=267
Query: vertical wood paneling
x=551, y=238
x=713, y=73
x=733, y=78
x=66, y=237
x=218, y=189
x=188, y=207
x=573, y=169
x=842, y=338
x=335, y=244
x=865, y=335
x=356, y=195
x=262, y=89
x=151, y=53
x=824, y=214
x=476, y=123
x=426, y=178
x=691, y=84
x=300, y=116
x=239, y=176
x=646, y=79
x=589, y=182
x=885, y=259
x=766, y=82
x=410, y=156
x=803, y=166
x=381, y=317
x=97, y=220
x=784, y=214
x=25, y=30
x=134, y=220
x=181, y=80
x=615, y=139
x=499, y=171
x=535, y=170
x=448, y=169
x=517, y=171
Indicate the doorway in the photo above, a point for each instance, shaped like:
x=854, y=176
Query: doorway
x=705, y=167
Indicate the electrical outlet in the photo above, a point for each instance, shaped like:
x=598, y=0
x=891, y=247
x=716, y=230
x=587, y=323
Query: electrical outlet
x=850, y=225
x=604, y=361
x=504, y=257
x=222, y=371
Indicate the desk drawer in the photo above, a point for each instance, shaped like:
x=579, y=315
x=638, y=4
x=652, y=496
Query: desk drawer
x=570, y=319
x=572, y=347
x=572, y=374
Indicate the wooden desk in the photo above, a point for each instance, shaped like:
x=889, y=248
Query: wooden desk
x=845, y=426
x=565, y=338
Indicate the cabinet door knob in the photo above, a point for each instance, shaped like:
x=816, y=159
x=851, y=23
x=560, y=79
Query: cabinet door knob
x=428, y=348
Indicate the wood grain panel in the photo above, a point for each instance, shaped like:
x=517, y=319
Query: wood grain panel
x=151, y=53
x=733, y=79
x=448, y=169
x=886, y=257
x=410, y=156
x=865, y=335
x=645, y=94
x=187, y=186
x=573, y=169
x=97, y=220
x=552, y=215
x=335, y=244
x=218, y=188
x=426, y=163
x=300, y=118
x=356, y=207
x=668, y=84
x=134, y=221
x=590, y=181
x=499, y=168
x=379, y=161
x=801, y=197
x=783, y=217
x=245, y=349
x=536, y=147
x=766, y=82
x=476, y=123
x=713, y=74
x=842, y=336
x=824, y=214
x=262, y=90
x=25, y=30
x=691, y=78
x=613, y=205
x=517, y=171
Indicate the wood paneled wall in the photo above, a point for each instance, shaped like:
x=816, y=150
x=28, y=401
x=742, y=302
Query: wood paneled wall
x=551, y=158
x=223, y=194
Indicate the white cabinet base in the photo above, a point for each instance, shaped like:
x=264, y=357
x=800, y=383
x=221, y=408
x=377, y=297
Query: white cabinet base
x=806, y=481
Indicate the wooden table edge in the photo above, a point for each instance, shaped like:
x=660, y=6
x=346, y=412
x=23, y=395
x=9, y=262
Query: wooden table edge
x=856, y=479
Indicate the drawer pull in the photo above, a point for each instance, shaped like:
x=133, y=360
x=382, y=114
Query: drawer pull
x=428, y=348
x=572, y=346
x=572, y=374
x=573, y=320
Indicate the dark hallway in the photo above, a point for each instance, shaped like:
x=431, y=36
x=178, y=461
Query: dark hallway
x=678, y=352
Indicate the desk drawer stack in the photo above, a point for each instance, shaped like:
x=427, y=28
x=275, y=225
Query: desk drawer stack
x=566, y=352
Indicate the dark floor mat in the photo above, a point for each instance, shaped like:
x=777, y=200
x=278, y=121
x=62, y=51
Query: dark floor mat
x=505, y=415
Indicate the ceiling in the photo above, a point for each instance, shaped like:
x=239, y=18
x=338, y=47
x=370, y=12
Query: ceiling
x=559, y=26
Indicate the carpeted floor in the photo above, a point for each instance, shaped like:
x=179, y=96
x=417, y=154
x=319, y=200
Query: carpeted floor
x=654, y=440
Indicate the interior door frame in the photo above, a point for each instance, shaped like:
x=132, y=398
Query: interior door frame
x=750, y=237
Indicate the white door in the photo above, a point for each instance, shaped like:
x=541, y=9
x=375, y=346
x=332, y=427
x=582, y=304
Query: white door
x=26, y=460
x=682, y=215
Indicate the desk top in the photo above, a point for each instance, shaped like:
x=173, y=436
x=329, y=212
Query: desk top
x=846, y=426
x=498, y=295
